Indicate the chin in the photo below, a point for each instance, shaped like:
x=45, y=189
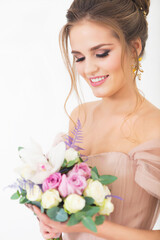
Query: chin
x=102, y=94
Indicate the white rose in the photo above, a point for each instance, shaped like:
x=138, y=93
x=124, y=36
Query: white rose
x=34, y=193
x=71, y=155
x=95, y=190
x=107, y=192
x=74, y=203
x=50, y=199
x=106, y=208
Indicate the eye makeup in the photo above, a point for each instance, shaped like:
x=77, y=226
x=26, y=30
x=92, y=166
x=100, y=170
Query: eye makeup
x=103, y=54
x=97, y=55
x=80, y=59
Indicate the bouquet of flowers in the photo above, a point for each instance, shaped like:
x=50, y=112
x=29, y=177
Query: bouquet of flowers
x=62, y=185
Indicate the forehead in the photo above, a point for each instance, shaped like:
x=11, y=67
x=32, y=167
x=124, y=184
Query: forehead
x=87, y=34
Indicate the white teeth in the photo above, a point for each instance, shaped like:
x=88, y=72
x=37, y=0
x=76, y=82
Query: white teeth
x=98, y=79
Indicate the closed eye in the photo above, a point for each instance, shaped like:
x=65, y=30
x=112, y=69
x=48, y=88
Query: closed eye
x=103, y=54
x=80, y=59
x=97, y=55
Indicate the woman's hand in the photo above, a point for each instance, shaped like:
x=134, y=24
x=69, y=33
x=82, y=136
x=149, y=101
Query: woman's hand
x=54, y=227
x=48, y=232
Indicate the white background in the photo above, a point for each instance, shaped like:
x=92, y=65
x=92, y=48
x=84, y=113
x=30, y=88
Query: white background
x=33, y=86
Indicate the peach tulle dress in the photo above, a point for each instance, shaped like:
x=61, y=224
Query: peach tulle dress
x=138, y=184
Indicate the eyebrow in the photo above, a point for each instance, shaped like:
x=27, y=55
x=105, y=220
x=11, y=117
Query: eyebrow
x=95, y=47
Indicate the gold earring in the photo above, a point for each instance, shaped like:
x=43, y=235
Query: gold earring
x=138, y=70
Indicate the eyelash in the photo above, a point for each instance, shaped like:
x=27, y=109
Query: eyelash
x=105, y=54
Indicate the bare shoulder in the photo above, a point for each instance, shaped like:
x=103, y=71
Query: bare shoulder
x=80, y=112
x=150, y=122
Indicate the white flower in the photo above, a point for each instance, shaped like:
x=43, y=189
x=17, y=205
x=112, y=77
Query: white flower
x=74, y=203
x=107, y=207
x=50, y=199
x=95, y=190
x=107, y=192
x=71, y=154
x=36, y=166
x=34, y=193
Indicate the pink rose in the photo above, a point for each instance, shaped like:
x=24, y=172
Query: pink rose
x=65, y=188
x=72, y=184
x=81, y=169
x=52, y=182
x=78, y=182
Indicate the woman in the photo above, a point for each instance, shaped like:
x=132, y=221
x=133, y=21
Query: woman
x=121, y=130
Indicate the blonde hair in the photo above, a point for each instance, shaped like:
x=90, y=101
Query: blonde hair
x=126, y=18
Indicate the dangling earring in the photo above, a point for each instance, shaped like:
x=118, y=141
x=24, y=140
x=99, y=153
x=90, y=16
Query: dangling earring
x=139, y=70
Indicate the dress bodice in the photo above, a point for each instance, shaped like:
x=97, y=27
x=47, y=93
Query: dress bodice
x=138, y=183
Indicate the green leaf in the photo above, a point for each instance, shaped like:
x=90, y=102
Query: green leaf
x=23, y=200
x=64, y=164
x=36, y=203
x=20, y=148
x=23, y=193
x=81, y=160
x=42, y=209
x=94, y=176
x=89, y=200
x=99, y=220
x=89, y=223
x=91, y=210
x=71, y=163
x=94, y=169
x=16, y=195
x=73, y=220
x=107, y=179
x=79, y=215
x=57, y=214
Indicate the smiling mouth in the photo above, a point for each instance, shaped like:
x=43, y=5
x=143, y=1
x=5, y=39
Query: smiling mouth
x=98, y=79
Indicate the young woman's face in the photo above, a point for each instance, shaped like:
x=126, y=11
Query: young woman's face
x=98, y=59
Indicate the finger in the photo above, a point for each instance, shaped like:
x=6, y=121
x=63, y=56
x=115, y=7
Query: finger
x=42, y=217
x=50, y=235
x=44, y=227
x=45, y=219
x=29, y=206
x=48, y=232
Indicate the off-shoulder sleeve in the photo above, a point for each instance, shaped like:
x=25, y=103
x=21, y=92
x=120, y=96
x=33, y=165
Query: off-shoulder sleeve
x=147, y=174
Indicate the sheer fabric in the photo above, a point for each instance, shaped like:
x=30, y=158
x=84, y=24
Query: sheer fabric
x=138, y=184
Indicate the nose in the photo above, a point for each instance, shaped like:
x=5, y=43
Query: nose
x=90, y=67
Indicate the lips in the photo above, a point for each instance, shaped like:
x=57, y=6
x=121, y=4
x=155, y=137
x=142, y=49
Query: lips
x=99, y=80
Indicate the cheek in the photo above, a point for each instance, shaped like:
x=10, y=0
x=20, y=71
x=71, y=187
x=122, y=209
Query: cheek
x=80, y=69
x=113, y=64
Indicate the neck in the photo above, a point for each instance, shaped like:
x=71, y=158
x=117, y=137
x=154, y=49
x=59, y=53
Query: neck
x=122, y=103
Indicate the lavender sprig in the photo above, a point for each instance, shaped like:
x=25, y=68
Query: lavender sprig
x=72, y=142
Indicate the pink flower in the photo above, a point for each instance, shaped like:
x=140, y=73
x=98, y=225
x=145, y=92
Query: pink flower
x=81, y=169
x=52, y=182
x=72, y=184
x=65, y=188
x=78, y=182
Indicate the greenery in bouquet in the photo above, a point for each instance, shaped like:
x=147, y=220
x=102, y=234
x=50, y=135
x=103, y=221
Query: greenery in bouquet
x=62, y=184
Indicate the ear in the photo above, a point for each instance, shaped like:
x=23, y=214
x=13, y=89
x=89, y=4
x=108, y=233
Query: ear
x=136, y=46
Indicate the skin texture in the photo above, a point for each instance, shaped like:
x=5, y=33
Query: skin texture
x=117, y=99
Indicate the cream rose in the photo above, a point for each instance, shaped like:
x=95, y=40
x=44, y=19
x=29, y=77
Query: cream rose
x=50, y=199
x=106, y=208
x=71, y=155
x=33, y=193
x=95, y=190
x=107, y=192
x=74, y=203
